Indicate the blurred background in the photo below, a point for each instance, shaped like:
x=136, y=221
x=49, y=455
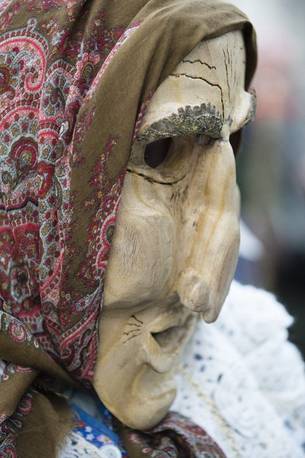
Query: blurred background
x=271, y=164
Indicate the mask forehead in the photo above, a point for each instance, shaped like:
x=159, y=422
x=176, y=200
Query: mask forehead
x=204, y=95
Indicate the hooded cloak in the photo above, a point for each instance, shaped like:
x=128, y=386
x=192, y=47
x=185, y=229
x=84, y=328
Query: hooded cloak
x=75, y=79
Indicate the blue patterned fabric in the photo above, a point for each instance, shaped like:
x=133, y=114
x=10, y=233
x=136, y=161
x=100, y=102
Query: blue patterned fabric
x=95, y=423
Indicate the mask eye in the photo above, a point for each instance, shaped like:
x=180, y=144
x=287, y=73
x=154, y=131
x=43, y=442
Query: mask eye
x=157, y=152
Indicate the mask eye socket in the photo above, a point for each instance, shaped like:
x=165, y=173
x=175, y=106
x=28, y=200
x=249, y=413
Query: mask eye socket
x=157, y=152
x=235, y=140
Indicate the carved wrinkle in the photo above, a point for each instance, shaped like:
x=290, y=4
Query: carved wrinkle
x=153, y=180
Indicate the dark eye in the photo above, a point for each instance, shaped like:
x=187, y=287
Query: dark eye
x=235, y=140
x=156, y=152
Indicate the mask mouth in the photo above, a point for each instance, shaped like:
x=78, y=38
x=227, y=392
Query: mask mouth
x=173, y=337
x=165, y=345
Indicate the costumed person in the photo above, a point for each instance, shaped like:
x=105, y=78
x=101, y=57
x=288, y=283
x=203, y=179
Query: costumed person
x=67, y=127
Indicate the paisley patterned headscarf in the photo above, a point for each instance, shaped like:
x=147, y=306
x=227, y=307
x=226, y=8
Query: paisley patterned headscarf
x=75, y=79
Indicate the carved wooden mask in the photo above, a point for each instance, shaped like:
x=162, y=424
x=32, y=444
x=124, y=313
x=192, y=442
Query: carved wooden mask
x=176, y=243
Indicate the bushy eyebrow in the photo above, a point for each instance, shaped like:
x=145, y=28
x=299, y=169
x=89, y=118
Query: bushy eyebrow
x=202, y=119
x=252, y=109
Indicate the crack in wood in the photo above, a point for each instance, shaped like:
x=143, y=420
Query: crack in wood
x=137, y=319
x=232, y=67
x=132, y=331
x=135, y=324
x=135, y=332
x=178, y=75
x=131, y=337
x=227, y=74
x=198, y=61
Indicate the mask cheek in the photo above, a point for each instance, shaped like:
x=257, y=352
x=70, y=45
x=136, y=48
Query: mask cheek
x=142, y=256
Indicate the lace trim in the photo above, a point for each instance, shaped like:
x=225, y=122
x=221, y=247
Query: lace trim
x=244, y=382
